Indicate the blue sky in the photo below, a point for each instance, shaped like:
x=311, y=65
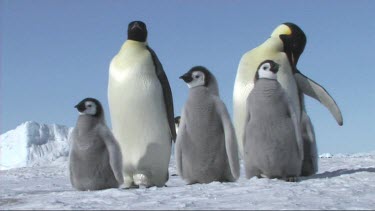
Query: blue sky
x=55, y=53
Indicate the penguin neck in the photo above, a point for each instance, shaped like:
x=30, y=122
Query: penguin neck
x=213, y=86
x=266, y=86
x=274, y=43
x=133, y=43
x=199, y=91
x=87, y=122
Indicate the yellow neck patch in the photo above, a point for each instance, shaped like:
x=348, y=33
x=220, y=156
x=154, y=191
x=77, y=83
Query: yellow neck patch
x=282, y=29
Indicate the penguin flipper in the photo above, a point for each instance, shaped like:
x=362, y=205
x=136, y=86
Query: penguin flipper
x=316, y=91
x=180, y=138
x=114, y=151
x=310, y=161
x=71, y=156
x=167, y=92
x=231, y=144
x=296, y=124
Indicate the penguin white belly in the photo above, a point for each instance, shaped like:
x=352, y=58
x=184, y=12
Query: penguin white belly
x=241, y=91
x=137, y=110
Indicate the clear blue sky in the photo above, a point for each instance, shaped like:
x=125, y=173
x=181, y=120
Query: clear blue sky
x=55, y=53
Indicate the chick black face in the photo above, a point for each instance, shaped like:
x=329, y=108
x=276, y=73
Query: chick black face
x=197, y=76
x=89, y=106
x=267, y=69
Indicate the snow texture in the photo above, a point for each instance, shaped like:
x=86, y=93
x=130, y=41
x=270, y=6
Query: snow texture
x=345, y=182
x=34, y=144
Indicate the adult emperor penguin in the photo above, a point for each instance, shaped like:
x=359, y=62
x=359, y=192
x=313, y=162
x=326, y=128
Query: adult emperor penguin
x=141, y=107
x=284, y=46
x=206, y=147
x=95, y=160
x=273, y=145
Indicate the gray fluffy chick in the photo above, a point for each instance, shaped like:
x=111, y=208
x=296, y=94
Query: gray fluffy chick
x=95, y=160
x=273, y=145
x=206, y=147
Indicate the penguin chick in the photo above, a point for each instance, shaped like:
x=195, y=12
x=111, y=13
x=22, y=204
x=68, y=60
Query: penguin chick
x=273, y=145
x=206, y=146
x=95, y=160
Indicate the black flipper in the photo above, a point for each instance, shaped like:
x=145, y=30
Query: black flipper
x=316, y=91
x=167, y=92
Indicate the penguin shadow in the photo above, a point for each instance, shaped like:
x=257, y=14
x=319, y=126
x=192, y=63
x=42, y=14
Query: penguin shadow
x=149, y=164
x=337, y=173
x=10, y=201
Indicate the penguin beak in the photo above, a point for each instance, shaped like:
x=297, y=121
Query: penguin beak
x=80, y=107
x=275, y=68
x=186, y=77
x=136, y=25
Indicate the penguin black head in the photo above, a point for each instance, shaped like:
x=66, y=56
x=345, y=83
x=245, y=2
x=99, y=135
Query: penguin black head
x=267, y=69
x=294, y=40
x=197, y=76
x=90, y=106
x=177, y=120
x=137, y=31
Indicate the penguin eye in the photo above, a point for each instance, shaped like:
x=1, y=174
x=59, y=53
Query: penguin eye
x=264, y=68
x=197, y=76
x=89, y=106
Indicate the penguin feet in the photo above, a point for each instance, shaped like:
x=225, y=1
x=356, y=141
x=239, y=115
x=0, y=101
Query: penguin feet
x=263, y=176
x=128, y=183
x=291, y=179
x=141, y=180
x=309, y=167
x=123, y=186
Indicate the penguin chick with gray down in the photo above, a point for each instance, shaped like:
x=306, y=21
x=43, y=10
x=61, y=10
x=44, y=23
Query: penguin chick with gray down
x=206, y=146
x=95, y=160
x=273, y=145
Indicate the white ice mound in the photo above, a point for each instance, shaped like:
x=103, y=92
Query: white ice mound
x=32, y=143
x=326, y=155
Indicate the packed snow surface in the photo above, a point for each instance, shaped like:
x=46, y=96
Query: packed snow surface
x=38, y=178
x=343, y=182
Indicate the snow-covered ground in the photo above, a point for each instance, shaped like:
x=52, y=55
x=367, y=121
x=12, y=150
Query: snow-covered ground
x=37, y=178
x=343, y=182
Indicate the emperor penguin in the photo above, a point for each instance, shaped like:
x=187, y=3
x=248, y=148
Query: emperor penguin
x=141, y=108
x=95, y=159
x=273, y=145
x=284, y=46
x=206, y=147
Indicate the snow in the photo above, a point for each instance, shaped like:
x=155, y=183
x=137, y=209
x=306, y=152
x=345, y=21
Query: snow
x=34, y=144
x=343, y=182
